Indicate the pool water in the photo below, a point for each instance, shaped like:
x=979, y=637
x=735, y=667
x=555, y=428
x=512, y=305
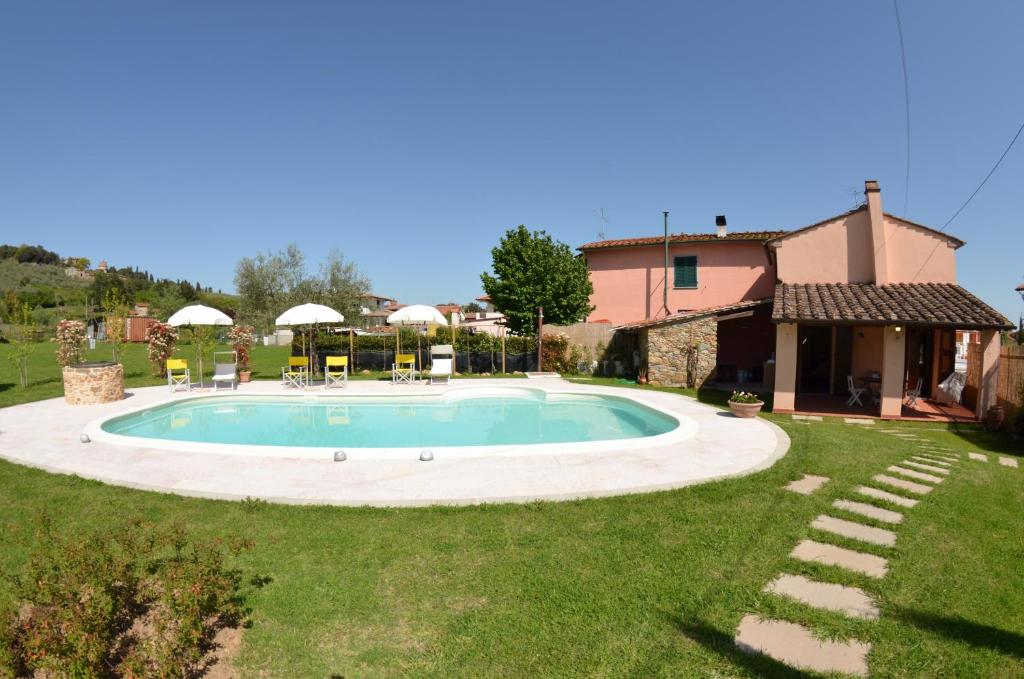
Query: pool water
x=518, y=417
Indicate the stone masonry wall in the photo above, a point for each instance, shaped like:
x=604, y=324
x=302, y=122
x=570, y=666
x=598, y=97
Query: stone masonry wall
x=682, y=354
x=86, y=385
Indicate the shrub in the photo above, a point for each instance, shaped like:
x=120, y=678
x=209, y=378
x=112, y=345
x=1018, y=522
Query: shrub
x=560, y=355
x=162, y=339
x=69, y=337
x=134, y=601
x=240, y=337
x=514, y=344
x=23, y=342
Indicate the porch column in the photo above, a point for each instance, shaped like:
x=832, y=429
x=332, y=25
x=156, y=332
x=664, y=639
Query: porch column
x=894, y=351
x=989, y=373
x=785, y=366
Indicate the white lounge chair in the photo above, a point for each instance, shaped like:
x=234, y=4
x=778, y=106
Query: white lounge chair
x=225, y=371
x=441, y=363
x=855, y=392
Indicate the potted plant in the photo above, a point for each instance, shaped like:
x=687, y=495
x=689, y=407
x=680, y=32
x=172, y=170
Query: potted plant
x=241, y=341
x=745, y=404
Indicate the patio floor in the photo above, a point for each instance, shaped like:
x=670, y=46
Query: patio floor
x=925, y=410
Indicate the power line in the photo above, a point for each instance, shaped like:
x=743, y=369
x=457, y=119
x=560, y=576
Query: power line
x=906, y=96
x=990, y=173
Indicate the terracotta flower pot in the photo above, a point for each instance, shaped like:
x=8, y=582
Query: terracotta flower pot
x=245, y=376
x=745, y=409
x=994, y=418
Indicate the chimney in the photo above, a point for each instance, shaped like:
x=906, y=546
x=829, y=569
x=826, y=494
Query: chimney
x=720, y=223
x=876, y=218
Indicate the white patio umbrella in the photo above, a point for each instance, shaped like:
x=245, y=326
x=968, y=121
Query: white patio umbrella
x=417, y=314
x=198, y=314
x=309, y=314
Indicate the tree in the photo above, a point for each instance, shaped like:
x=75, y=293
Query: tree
x=533, y=270
x=271, y=282
x=472, y=307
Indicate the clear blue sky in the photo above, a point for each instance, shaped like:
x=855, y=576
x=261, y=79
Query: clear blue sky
x=181, y=136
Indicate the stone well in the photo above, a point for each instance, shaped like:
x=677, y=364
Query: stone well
x=89, y=383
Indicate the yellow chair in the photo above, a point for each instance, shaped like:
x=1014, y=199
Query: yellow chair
x=178, y=374
x=297, y=372
x=403, y=369
x=336, y=371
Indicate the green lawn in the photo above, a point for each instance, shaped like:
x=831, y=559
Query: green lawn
x=647, y=585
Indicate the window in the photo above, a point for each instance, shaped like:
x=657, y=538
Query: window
x=686, y=272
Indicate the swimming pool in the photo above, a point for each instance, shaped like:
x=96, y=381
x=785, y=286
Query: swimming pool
x=457, y=418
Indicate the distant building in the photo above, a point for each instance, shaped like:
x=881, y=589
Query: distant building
x=374, y=311
x=75, y=272
x=102, y=266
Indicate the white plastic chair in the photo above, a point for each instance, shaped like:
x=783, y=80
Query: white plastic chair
x=855, y=392
x=224, y=371
x=915, y=393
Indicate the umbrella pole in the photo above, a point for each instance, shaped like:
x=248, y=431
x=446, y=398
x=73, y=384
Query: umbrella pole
x=419, y=351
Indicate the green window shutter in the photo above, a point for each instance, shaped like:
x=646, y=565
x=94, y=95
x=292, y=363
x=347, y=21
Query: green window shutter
x=686, y=272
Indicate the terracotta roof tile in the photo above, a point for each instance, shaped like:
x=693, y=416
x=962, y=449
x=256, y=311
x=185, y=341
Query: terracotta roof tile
x=688, y=315
x=683, y=238
x=942, y=304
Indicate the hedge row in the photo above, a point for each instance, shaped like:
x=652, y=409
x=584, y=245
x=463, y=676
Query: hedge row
x=480, y=342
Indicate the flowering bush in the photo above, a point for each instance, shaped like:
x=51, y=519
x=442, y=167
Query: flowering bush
x=560, y=355
x=240, y=337
x=744, y=397
x=69, y=338
x=162, y=339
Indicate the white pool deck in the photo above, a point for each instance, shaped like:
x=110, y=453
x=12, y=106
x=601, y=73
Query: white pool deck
x=711, y=445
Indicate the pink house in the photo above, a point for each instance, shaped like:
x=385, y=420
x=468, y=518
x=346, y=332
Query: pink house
x=862, y=303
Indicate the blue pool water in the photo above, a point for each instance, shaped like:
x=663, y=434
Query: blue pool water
x=518, y=417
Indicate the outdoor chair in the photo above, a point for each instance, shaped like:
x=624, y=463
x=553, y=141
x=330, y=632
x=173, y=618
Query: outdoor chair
x=336, y=371
x=178, y=374
x=441, y=363
x=915, y=393
x=225, y=371
x=403, y=369
x=855, y=392
x=297, y=372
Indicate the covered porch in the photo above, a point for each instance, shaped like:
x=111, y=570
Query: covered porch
x=877, y=351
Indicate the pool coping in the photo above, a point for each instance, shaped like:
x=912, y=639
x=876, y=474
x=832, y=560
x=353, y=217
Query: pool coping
x=722, y=447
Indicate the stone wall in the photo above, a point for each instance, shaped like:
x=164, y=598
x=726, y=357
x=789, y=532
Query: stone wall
x=682, y=354
x=98, y=383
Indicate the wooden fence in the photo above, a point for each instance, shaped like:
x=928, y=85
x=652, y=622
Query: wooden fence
x=1009, y=382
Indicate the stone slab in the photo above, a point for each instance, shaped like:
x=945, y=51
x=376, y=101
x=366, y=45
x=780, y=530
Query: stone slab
x=916, y=488
x=857, y=420
x=870, y=511
x=926, y=467
x=920, y=476
x=931, y=460
x=808, y=484
x=850, y=601
x=794, y=645
x=887, y=496
x=978, y=456
x=1008, y=461
x=854, y=530
x=830, y=555
x=807, y=418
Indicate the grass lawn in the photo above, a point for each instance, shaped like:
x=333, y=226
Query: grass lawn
x=645, y=585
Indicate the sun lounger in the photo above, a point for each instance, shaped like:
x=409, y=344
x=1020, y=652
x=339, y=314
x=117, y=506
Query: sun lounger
x=441, y=359
x=225, y=371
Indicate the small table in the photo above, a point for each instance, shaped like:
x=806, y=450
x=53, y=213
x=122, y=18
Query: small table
x=874, y=385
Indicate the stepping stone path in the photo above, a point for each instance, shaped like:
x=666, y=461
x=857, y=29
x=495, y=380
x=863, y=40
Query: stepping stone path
x=916, y=488
x=807, y=418
x=887, y=496
x=850, y=601
x=870, y=511
x=1008, y=461
x=808, y=484
x=855, y=531
x=796, y=646
x=978, y=456
x=926, y=467
x=920, y=476
x=857, y=420
x=830, y=555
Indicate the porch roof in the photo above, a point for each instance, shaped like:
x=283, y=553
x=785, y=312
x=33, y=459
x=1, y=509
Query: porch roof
x=932, y=304
x=690, y=315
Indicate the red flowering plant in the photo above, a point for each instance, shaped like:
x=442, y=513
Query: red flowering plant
x=162, y=339
x=240, y=337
